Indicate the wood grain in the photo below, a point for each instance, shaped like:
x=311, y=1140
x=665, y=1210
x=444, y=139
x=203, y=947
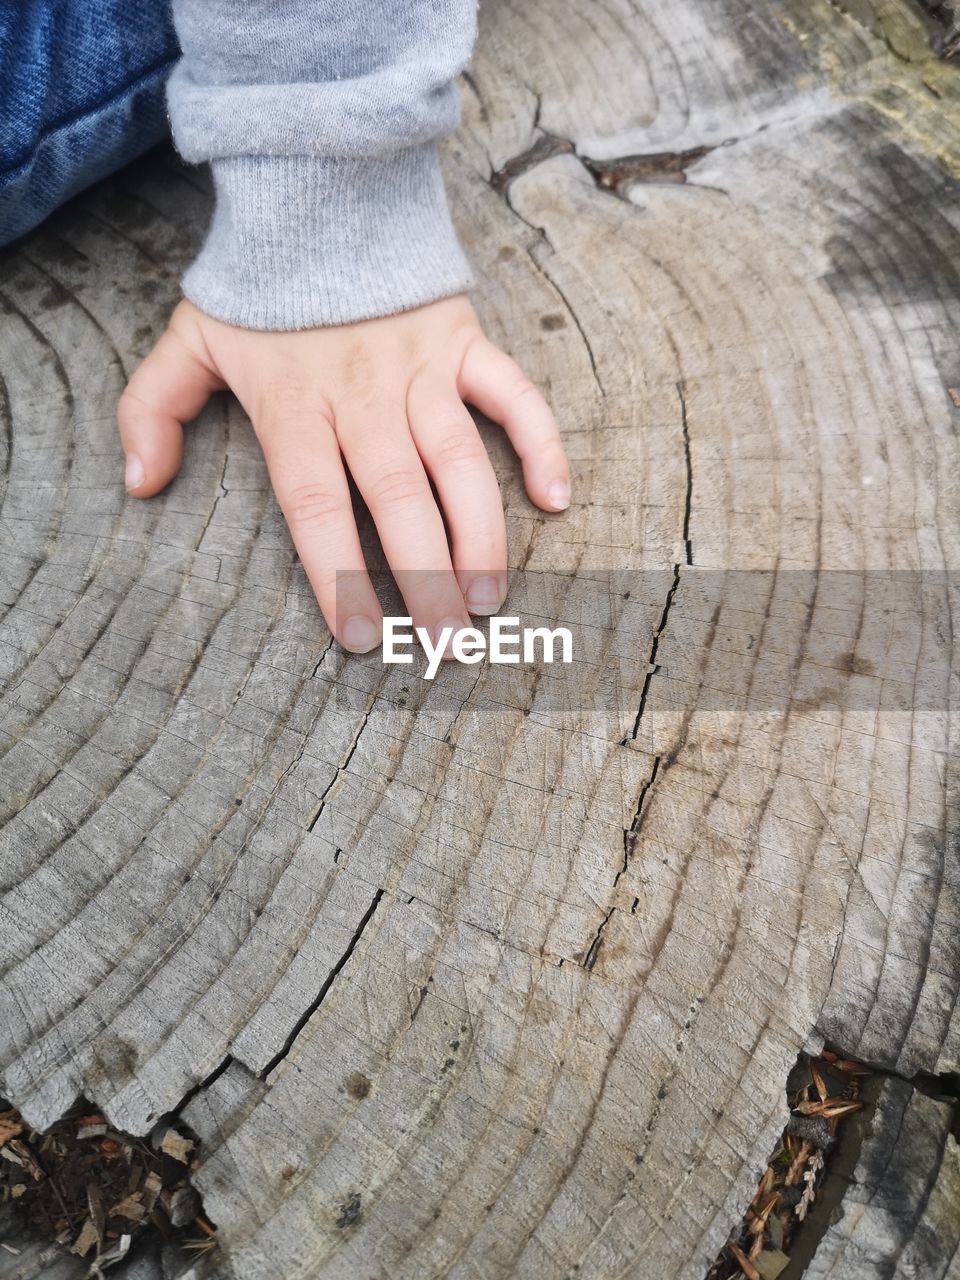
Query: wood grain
x=886, y=1226
x=458, y=989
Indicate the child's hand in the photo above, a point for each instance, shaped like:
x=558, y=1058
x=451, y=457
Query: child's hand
x=385, y=397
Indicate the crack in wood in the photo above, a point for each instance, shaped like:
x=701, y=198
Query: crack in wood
x=223, y=1065
x=688, y=463
x=590, y=959
x=323, y=653
x=613, y=176
x=631, y=833
x=222, y=494
x=578, y=323
x=340, y=768
x=652, y=666
x=315, y=1004
x=544, y=148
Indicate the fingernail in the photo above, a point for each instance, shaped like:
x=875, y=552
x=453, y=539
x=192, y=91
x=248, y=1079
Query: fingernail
x=559, y=494
x=483, y=595
x=133, y=475
x=454, y=625
x=359, y=634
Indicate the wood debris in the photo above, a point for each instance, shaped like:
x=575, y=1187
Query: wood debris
x=87, y=1238
x=11, y=1126
x=97, y=1192
x=822, y=1091
x=91, y=1127
x=176, y=1145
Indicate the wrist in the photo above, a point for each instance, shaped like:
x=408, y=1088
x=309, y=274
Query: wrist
x=298, y=242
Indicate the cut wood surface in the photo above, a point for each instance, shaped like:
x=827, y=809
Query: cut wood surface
x=455, y=985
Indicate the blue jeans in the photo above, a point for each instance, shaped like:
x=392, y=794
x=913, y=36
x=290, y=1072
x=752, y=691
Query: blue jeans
x=81, y=93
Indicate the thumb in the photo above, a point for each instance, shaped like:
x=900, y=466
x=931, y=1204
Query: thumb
x=168, y=389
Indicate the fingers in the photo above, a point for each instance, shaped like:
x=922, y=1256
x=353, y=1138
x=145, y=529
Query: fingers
x=389, y=474
x=303, y=459
x=169, y=388
x=449, y=444
x=497, y=386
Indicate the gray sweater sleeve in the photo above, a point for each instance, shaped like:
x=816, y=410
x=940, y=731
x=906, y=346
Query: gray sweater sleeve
x=320, y=119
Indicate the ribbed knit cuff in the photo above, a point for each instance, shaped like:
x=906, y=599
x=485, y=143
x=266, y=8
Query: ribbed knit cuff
x=298, y=242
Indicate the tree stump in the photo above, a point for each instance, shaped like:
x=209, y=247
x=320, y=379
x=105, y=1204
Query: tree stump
x=449, y=988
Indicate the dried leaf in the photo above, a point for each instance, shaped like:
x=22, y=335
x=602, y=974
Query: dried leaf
x=831, y=1107
x=821, y=1088
x=130, y=1207
x=799, y=1160
x=841, y=1108
x=744, y=1263
x=86, y=1239
x=152, y=1187
x=177, y=1146
x=848, y=1065
x=27, y=1160
x=11, y=1126
x=758, y=1226
x=810, y=1190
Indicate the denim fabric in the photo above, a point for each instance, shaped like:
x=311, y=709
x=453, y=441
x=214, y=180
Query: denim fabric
x=81, y=93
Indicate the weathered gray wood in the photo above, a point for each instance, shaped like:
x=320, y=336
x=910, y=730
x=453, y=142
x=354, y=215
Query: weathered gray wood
x=894, y=1223
x=565, y=966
